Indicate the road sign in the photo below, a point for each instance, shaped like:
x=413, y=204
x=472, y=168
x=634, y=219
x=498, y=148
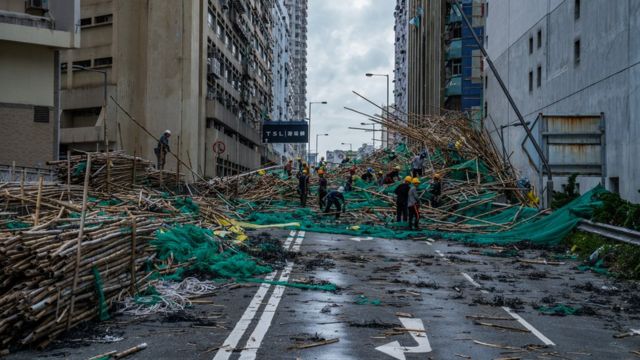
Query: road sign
x=289, y=132
x=397, y=351
x=219, y=147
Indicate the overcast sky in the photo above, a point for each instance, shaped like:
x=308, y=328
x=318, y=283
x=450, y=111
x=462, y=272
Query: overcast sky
x=346, y=39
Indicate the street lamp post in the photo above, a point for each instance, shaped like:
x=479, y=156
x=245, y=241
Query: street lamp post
x=317, y=135
x=104, y=74
x=309, y=145
x=373, y=135
x=386, y=109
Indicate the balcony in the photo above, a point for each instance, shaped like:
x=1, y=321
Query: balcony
x=454, y=50
x=454, y=87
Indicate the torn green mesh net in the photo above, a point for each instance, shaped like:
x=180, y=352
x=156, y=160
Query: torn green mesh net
x=199, y=247
x=103, y=308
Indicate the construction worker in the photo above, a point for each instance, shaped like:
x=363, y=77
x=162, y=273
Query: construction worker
x=300, y=165
x=380, y=178
x=435, y=189
x=322, y=188
x=349, y=183
x=417, y=165
x=402, y=197
x=367, y=176
x=288, y=168
x=303, y=187
x=322, y=164
x=333, y=200
x=391, y=177
x=162, y=149
x=414, y=205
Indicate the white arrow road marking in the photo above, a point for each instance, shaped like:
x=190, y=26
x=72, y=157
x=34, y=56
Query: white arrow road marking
x=397, y=351
x=358, y=239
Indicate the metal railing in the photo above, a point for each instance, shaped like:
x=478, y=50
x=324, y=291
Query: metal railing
x=611, y=232
x=10, y=173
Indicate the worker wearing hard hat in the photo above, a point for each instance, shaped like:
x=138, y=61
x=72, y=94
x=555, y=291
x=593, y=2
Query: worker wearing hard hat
x=435, y=189
x=402, y=197
x=367, y=176
x=162, y=149
x=322, y=188
x=414, y=205
x=391, y=177
x=333, y=199
x=303, y=187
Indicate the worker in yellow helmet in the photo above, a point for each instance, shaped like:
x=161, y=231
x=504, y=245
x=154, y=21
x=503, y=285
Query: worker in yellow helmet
x=413, y=204
x=303, y=187
x=435, y=189
x=402, y=195
x=322, y=188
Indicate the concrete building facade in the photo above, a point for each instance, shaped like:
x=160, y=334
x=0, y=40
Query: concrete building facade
x=400, y=73
x=31, y=36
x=568, y=57
x=199, y=68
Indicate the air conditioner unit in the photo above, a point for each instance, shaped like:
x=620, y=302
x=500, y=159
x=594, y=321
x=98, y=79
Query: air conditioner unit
x=41, y=6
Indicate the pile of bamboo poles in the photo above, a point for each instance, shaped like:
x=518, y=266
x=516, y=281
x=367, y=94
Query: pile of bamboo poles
x=115, y=171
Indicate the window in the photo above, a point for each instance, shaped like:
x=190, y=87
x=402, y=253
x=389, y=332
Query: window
x=486, y=41
x=576, y=9
x=530, y=81
x=486, y=110
x=41, y=114
x=83, y=63
x=539, y=79
x=85, y=22
x=63, y=67
x=576, y=52
x=106, y=61
x=104, y=19
x=486, y=81
x=456, y=67
x=211, y=19
x=614, y=185
x=531, y=45
x=539, y=39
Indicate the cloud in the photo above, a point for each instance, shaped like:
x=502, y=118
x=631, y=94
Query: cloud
x=346, y=39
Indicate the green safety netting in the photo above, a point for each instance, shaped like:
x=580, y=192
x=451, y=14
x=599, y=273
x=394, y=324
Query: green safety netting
x=529, y=226
x=198, y=246
x=103, y=308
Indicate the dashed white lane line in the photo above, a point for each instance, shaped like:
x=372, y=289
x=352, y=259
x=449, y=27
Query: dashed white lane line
x=253, y=344
x=243, y=324
x=440, y=253
x=545, y=340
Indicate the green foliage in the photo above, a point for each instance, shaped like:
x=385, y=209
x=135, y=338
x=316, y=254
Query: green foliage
x=623, y=260
x=617, y=211
x=568, y=194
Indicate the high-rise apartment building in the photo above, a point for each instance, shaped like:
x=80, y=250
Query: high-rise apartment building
x=437, y=63
x=576, y=63
x=298, y=55
x=201, y=69
x=32, y=34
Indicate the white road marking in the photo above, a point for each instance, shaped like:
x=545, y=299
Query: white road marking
x=395, y=350
x=243, y=324
x=440, y=253
x=473, y=282
x=253, y=344
x=359, y=239
x=545, y=340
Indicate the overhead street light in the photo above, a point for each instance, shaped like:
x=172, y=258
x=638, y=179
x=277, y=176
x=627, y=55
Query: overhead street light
x=317, y=135
x=311, y=103
x=386, y=108
x=350, y=146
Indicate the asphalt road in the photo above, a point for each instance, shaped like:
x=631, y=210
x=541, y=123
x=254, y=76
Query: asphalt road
x=396, y=299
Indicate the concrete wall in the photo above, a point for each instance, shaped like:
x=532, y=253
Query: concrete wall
x=24, y=141
x=606, y=79
x=26, y=74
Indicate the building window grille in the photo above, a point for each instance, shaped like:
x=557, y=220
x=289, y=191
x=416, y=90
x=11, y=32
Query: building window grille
x=85, y=22
x=82, y=63
x=576, y=52
x=106, y=61
x=539, y=39
x=41, y=114
x=530, y=81
x=531, y=45
x=103, y=19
